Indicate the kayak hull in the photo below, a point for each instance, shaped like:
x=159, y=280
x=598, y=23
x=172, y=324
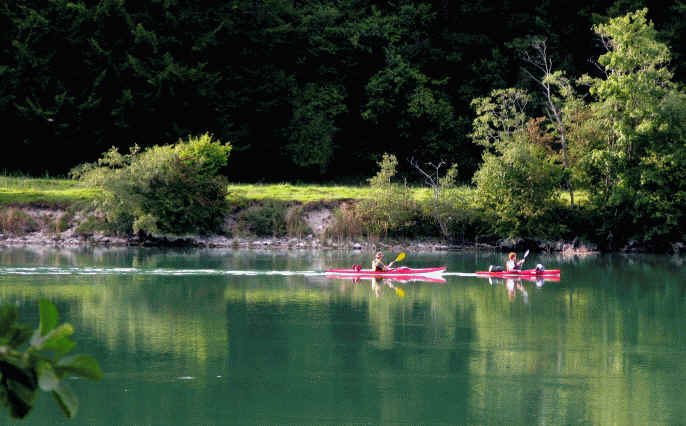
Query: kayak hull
x=532, y=278
x=396, y=278
x=389, y=273
x=522, y=273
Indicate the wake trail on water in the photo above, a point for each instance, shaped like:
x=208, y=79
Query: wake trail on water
x=39, y=270
x=89, y=270
x=461, y=274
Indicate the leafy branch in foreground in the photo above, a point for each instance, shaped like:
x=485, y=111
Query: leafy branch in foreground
x=43, y=365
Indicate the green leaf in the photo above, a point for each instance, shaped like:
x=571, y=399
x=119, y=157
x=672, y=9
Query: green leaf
x=80, y=365
x=20, y=399
x=48, y=316
x=47, y=379
x=20, y=388
x=66, y=399
x=8, y=315
x=19, y=336
x=57, y=339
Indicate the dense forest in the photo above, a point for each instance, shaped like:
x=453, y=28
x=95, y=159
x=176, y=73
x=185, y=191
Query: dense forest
x=303, y=90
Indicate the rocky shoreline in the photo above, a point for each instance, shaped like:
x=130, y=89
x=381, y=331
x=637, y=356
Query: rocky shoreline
x=43, y=236
x=70, y=239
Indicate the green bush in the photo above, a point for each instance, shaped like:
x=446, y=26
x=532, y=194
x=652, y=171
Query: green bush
x=347, y=223
x=296, y=225
x=171, y=189
x=392, y=210
x=210, y=156
x=519, y=187
x=265, y=220
x=91, y=224
x=61, y=223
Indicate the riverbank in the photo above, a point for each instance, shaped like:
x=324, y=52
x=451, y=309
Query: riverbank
x=60, y=228
x=39, y=211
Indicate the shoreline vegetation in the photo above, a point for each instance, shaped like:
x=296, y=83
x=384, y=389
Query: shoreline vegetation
x=55, y=212
x=562, y=160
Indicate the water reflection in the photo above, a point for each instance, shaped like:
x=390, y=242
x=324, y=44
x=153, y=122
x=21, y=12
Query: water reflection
x=602, y=346
x=378, y=283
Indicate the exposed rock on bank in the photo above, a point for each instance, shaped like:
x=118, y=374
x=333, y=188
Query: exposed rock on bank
x=43, y=228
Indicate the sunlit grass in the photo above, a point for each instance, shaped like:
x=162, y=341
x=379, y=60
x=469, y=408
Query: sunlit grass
x=314, y=193
x=28, y=190
x=300, y=193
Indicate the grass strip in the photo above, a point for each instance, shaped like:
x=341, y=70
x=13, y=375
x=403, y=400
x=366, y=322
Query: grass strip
x=28, y=190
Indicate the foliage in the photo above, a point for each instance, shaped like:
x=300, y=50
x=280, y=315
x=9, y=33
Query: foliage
x=328, y=77
x=42, y=365
x=391, y=211
x=61, y=222
x=347, y=223
x=296, y=225
x=15, y=221
x=210, y=156
x=271, y=218
x=170, y=189
x=447, y=207
x=312, y=128
x=635, y=162
x=626, y=101
x=499, y=116
x=266, y=219
x=557, y=90
x=92, y=223
x=519, y=186
x=518, y=179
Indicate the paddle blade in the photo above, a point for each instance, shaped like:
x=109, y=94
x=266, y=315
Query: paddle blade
x=526, y=253
x=400, y=257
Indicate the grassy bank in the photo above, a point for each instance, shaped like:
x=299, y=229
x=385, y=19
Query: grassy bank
x=314, y=193
x=28, y=191
x=17, y=190
x=285, y=209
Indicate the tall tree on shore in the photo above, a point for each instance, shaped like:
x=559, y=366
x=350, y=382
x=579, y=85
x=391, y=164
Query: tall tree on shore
x=640, y=152
x=556, y=87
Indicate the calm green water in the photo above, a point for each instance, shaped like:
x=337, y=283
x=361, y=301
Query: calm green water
x=210, y=337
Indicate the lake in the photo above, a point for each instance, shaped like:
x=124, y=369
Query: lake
x=214, y=337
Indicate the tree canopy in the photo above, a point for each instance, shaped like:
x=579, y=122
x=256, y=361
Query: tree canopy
x=312, y=90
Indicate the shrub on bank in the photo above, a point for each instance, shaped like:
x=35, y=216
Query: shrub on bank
x=393, y=211
x=518, y=189
x=171, y=189
x=296, y=225
x=271, y=218
x=267, y=219
x=17, y=222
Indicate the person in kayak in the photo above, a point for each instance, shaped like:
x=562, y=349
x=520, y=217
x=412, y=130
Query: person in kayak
x=378, y=265
x=512, y=264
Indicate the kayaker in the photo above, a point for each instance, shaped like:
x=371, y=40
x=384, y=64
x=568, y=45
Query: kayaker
x=378, y=265
x=512, y=264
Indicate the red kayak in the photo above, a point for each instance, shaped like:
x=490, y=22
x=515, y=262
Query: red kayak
x=397, y=278
x=389, y=273
x=532, y=278
x=522, y=273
